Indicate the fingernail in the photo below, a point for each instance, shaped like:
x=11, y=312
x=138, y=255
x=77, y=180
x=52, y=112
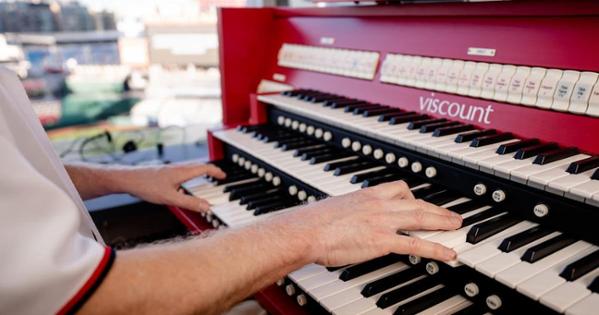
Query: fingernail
x=457, y=219
x=450, y=254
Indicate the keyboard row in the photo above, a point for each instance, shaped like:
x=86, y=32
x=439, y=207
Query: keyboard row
x=546, y=166
x=488, y=234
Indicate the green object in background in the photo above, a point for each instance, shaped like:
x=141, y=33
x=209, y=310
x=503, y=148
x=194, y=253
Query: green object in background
x=86, y=108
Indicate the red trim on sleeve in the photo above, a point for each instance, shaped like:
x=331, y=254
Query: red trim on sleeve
x=90, y=285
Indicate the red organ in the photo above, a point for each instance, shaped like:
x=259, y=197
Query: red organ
x=489, y=109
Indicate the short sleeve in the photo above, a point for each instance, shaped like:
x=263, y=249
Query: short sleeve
x=46, y=266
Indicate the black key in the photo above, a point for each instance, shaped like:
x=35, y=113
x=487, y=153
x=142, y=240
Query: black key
x=359, y=166
x=394, y=296
x=467, y=206
x=583, y=165
x=297, y=145
x=409, y=118
x=422, y=303
x=445, y=131
x=335, y=268
x=259, y=195
x=228, y=188
x=358, y=178
x=400, y=113
x=486, y=214
x=248, y=128
x=371, y=182
x=380, y=111
x=417, y=124
x=272, y=137
x=547, y=248
x=521, y=239
x=332, y=166
x=390, y=281
x=473, y=309
x=280, y=143
x=529, y=152
x=350, y=107
x=432, y=127
x=487, y=140
x=329, y=157
x=362, y=110
x=232, y=179
x=237, y=193
x=312, y=153
x=342, y=103
x=595, y=175
x=422, y=192
x=251, y=205
x=482, y=231
x=513, y=146
x=468, y=136
x=274, y=206
x=441, y=197
x=368, y=266
x=594, y=286
x=384, y=116
x=300, y=152
x=554, y=155
x=323, y=98
x=581, y=267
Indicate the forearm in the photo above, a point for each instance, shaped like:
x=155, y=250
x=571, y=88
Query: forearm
x=202, y=275
x=96, y=180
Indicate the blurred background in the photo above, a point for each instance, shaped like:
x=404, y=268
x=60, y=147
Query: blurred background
x=120, y=81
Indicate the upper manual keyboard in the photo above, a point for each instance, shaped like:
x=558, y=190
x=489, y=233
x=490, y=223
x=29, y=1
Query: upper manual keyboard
x=560, y=170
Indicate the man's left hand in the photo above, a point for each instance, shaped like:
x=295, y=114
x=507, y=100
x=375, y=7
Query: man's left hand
x=161, y=184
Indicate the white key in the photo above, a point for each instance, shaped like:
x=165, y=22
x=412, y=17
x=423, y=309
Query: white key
x=366, y=305
x=485, y=250
x=522, y=174
x=543, y=282
x=569, y=292
x=587, y=306
x=306, y=271
x=523, y=271
x=455, y=238
x=561, y=185
x=504, y=169
x=449, y=306
x=585, y=190
x=503, y=261
x=356, y=283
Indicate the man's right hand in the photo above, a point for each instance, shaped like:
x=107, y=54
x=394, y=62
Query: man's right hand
x=362, y=225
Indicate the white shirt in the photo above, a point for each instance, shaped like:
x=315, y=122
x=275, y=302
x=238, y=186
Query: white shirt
x=50, y=260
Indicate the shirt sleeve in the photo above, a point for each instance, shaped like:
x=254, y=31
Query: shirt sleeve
x=46, y=265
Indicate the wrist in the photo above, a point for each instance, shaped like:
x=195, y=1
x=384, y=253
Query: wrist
x=303, y=234
x=299, y=241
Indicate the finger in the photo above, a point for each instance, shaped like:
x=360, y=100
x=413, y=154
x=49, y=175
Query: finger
x=396, y=189
x=204, y=169
x=189, y=202
x=423, y=220
x=418, y=204
x=418, y=247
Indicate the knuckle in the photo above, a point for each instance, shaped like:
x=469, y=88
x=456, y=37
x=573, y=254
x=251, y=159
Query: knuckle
x=419, y=216
x=403, y=185
x=413, y=245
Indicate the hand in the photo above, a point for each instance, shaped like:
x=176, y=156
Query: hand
x=364, y=225
x=161, y=184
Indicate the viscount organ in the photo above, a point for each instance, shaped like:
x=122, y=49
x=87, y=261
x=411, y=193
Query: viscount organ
x=488, y=109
